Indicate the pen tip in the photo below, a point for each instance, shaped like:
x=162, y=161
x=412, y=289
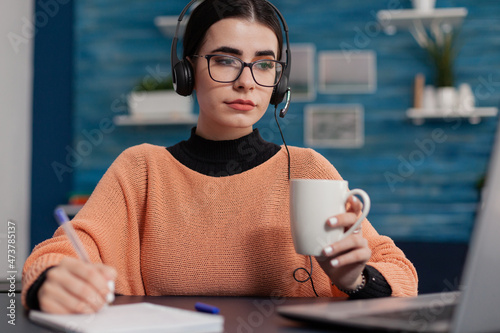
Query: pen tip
x=60, y=215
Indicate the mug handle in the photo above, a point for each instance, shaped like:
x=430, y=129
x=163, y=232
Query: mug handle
x=366, y=209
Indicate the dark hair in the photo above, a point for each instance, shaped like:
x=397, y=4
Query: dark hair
x=209, y=12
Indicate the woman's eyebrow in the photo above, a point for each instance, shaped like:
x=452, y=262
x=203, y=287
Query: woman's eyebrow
x=265, y=53
x=232, y=50
x=227, y=49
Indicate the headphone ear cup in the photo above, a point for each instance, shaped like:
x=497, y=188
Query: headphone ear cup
x=279, y=91
x=183, y=78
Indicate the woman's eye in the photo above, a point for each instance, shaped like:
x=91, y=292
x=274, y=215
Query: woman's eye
x=225, y=61
x=265, y=65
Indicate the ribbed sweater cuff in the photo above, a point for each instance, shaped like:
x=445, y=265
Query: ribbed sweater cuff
x=32, y=294
x=376, y=285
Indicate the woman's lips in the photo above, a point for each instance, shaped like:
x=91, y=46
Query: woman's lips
x=241, y=105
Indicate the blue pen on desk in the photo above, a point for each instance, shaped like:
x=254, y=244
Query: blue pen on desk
x=63, y=220
x=202, y=307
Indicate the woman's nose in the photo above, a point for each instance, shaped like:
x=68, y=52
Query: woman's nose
x=245, y=80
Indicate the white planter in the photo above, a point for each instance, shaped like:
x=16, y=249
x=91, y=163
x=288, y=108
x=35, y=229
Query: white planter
x=424, y=5
x=446, y=98
x=162, y=102
x=466, y=100
x=429, y=102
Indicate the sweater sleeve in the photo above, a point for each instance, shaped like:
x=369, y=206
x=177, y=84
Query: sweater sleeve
x=387, y=259
x=108, y=226
x=391, y=262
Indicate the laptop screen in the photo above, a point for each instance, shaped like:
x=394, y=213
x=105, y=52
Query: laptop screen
x=478, y=308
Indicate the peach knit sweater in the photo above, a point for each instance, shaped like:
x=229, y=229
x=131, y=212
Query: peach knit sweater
x=169, y=230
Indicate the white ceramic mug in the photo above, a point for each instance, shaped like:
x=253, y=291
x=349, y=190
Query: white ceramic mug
x=312, y=203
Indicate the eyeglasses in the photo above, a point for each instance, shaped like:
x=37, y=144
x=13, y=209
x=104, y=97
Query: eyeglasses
x=226, y=68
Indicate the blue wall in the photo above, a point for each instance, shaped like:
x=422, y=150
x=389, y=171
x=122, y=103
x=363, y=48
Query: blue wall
x=52, y=115
x=117, y=44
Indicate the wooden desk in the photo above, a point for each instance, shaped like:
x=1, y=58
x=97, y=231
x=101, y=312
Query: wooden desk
x=241, y=314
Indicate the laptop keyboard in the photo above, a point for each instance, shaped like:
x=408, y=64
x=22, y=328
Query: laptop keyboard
x=428, y=314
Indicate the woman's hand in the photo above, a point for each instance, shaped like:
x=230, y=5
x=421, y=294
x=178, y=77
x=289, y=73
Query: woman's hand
x=77, y=287
x=345, y=260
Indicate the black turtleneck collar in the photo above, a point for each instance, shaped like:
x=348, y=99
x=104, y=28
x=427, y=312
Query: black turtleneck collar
x=223, y=158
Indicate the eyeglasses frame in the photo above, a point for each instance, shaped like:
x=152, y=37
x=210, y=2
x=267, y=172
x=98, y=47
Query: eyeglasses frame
x=245, y=64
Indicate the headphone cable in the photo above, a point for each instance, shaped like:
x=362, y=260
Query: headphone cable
x=309, y=276
x=282, y=138
x=309, y=273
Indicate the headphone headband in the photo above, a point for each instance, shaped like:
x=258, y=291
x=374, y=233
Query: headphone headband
x=182, y=71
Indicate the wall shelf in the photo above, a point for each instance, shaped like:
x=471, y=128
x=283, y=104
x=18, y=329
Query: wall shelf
x=418, y=116
x=135, y=120
x=392, y=20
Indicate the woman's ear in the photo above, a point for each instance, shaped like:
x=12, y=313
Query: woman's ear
x=191, y=61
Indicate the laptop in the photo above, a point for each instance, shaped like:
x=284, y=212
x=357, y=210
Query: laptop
x=474, y=308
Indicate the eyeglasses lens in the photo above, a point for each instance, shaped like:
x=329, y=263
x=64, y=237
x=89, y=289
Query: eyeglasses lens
x=227, y=69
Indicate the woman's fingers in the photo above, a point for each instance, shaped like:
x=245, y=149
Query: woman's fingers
x=349, y=218
x=344, y=260
x=354, y=205
x=343, y=250
x=356, y=256
x=55, y=298
x=77, y=287
x=90, y=274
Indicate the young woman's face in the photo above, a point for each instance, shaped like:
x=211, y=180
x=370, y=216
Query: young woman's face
x=229, y=110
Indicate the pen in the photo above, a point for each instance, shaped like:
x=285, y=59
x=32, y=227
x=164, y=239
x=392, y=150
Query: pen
x=202, y=307
x=63, y=220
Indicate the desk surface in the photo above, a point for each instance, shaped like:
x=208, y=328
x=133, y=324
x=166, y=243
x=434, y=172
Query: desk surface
x=241, y=314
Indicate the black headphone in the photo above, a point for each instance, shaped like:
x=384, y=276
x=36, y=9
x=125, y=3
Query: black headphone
x=182, y=70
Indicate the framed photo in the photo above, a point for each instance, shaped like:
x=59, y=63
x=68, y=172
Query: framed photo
x=302, y=76
x=347, y=72
x=334, y=125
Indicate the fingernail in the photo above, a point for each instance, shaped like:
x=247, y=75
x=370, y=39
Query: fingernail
x=328, y=250
x=333, y=221
x=110, y=297
x=354, y=199
x=334, y=262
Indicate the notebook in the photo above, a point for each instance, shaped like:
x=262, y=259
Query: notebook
x=136, y=317
x=475, y=308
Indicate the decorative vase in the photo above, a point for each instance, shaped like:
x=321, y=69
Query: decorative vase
x=466, y=100
x=446, y=99
x=424, y=5
x=429, y=99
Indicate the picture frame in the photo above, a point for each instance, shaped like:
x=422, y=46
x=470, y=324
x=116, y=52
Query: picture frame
x=342, y=72
x=302, y=78
x=334, y=125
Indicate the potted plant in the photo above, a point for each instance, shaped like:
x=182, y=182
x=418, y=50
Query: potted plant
x=441, y=47
x=157, y=98
x=423, y=5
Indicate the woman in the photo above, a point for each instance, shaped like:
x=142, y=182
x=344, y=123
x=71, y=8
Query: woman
x=209, y=216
